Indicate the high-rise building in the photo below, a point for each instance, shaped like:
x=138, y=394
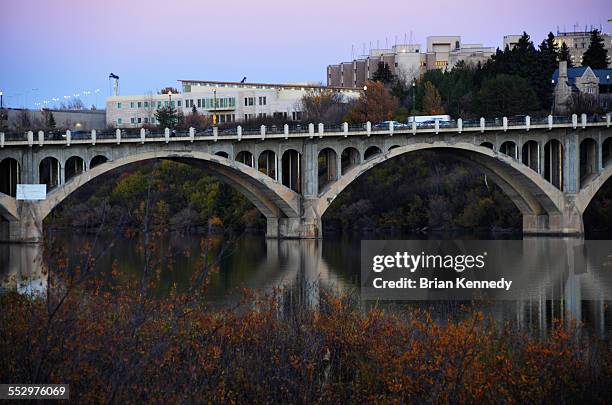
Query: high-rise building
x=578, y=43
x=408, y=60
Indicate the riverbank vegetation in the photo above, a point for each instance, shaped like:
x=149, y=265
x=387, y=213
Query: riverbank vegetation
x=120, y=347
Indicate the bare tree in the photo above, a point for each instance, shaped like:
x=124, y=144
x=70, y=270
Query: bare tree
x=323, y=106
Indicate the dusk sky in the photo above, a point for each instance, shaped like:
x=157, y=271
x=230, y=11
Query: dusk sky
x=63, y=47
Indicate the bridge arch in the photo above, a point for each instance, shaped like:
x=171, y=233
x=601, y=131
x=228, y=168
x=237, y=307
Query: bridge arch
x=371, y=151
x=272, y=199
x=509, y=148
x=587, y=193
x=8, y=207
x=74, y=166
x=97, y=160
x=246, y=158
x=529, y=191
x=49, y=172
x=606, y=151
x=10, y=176
x=327, y=167
x=349, y=158
x=267, y=163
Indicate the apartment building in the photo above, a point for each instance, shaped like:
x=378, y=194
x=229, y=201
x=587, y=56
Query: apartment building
x=227, y=101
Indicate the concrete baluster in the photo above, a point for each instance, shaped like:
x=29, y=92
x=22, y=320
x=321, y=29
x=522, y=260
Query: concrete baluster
x=505, y=123
x=482, y=124
x=527, y=122
x=191, y=134
x=1, y=139
x=459, y=125
x=93, y=136
x=550, y=122
x=391, y=128
x=574, y=121
x=345, y=128
x=414, y=127
x=167, y=134
x=143, y=135
x=41, y=138
x=68, y=137
x=368, y=128
x=239, y=132
x=286, y=130
x=30, y=138
x=118, y=136
x=215, y=134
x=321, y=130
x=311, y=130
x=262, y=131
x=437, y=126
x=583, y=120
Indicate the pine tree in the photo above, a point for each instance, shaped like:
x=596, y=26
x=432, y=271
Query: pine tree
x=194, y=110
x=383, y=73
x=596, y=56
x=564, y=54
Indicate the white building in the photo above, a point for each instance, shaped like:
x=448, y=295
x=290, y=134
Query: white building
x=228, y=101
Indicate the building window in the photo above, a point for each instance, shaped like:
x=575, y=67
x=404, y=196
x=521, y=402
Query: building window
x=139, y=120
x=140, y=104
x=262, y=100
x=146, y=120
x=131, y=104
x=132, y=120
x=178, y=103
x=118, y=105
x=119, y=120
x=199, y=103
x=159, y=104
x=165, y=104
x=146, y=104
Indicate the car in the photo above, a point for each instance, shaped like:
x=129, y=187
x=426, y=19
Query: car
x=385, y=125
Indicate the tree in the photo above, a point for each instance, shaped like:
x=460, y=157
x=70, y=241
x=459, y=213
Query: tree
x=49, y=119
x=506, y=95
x=432, y=103
x=596, y=56
x=383, y=73
x=564, y=54
x=169, y=89
x=375, y=104
x=325, y=106
x=24, y=121
x=167, y=117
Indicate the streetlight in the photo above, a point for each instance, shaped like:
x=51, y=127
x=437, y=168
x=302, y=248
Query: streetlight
x=552, y=108
x=365, y=96
x=1, y=99
x=215, y=106
x=413, y=98
x=607, y=90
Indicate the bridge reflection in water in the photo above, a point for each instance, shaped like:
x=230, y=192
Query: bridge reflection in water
x=566, y=277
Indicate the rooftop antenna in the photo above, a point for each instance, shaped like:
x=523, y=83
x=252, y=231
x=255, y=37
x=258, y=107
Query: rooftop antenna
x=352, y=52
x=405, y=38
x=396, y=40
x=243, y=79
x=386, y=43
x=363, y=49
x=410, y=37
x=115, y=80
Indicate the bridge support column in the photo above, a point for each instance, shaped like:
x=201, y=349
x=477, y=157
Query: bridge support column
x=294, y=228
x=29, y=227
x=569, y=222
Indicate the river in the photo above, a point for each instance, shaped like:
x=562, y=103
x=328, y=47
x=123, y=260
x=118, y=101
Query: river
x=252, y=261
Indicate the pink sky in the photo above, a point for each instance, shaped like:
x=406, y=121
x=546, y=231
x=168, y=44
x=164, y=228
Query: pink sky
x=62, y=47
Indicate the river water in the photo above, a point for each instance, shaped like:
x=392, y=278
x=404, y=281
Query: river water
x=332, y=264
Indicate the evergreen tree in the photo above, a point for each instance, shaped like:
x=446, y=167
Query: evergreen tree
x=194, y=110
x=596, y=56
x=564, y=54
x=383, y=73
x=167, y=117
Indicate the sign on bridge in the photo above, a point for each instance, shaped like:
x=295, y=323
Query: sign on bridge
x=31, y=192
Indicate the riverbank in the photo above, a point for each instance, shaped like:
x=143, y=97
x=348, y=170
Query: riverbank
x=261, y=352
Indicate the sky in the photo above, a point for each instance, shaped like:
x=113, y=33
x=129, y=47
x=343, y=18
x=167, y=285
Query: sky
x=56, y=48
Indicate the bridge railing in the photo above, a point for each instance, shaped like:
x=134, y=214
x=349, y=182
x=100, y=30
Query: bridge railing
x=300, y=129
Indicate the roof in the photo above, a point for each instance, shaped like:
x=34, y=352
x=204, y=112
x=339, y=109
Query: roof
x=604, y=75
x=265, y=85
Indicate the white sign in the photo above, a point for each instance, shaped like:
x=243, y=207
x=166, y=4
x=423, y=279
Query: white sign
x=31, y=191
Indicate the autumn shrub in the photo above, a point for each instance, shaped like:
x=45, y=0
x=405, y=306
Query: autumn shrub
x=116, y=346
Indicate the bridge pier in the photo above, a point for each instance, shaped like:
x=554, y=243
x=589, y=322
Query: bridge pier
x=28, y=228
x=294, y=228
x=568, y=223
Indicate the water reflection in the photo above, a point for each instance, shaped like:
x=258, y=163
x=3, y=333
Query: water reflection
x=565, y=277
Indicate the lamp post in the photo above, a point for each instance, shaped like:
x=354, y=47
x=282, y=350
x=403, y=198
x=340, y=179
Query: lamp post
x=170, y=107
x=1, y=99
x=413, y=98
x=214, y=106
x=552, y=107
x=365, y=96
x=607, y=91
